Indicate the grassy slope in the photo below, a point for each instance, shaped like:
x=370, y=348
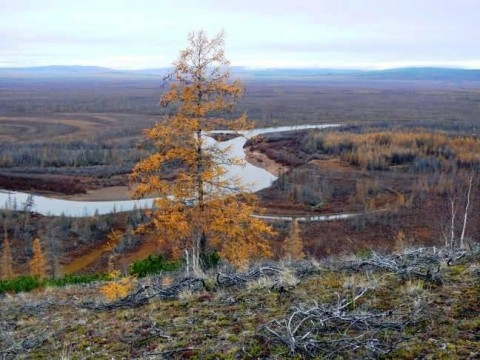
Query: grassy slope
x=226, y=323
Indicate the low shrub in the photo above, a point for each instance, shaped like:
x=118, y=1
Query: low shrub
x=211, y=260
x=153, y=265
x=29, y=283
x=20, y=284
x=76, y=279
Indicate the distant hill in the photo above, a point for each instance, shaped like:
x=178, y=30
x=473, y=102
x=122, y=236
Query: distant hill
x=60, y=69
x=77, y=72
x=249, y=74
x=425, y=73
x=414, y=73
x=291, y=73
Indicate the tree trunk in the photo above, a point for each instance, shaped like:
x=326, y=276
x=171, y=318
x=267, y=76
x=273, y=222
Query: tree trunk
x=462, y=236
x=202, y=244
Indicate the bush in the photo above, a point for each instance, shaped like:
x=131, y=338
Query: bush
x=76, y=279
x=364, y=253
x=153, y=265
x=211, y=260
x=29, y=283
x=20, y=284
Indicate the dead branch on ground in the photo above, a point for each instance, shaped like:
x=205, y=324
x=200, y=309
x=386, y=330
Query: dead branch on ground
x=332, y=331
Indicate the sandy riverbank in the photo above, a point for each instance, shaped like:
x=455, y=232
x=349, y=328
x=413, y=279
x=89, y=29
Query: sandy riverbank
x=112, y=193
x=263, y=161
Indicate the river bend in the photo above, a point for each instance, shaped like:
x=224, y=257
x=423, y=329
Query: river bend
x=255, y=178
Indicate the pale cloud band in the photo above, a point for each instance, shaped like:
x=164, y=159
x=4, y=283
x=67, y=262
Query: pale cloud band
x=323, y=33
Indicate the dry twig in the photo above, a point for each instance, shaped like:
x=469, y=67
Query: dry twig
x=334, y=330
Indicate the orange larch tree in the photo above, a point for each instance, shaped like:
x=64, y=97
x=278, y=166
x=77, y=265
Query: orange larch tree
x=197, y=206
x=38, y=264
x=6, y=258
x=293, y=244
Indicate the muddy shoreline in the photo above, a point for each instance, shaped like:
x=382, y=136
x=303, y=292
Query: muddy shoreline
x=263, y=161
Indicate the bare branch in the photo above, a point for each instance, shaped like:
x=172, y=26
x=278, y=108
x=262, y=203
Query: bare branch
x=337, y=330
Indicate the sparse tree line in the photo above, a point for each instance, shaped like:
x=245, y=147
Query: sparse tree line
x=411, y=149
x=440, y=210
x=75, y=154
x=61, y=235
x=421, y=151
x=37, y=263
x=390, y=169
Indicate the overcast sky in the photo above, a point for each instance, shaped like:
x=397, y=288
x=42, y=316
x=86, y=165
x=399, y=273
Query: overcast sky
x=135, y=34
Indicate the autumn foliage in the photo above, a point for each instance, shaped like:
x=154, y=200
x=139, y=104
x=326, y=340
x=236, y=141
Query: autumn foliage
x=117, y=287
x=6, y=259
x=293, y=244
x=38, y=264
x=197, y=207
x=421, y=150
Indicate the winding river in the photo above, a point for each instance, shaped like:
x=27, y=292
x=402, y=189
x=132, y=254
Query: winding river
x=253, y=177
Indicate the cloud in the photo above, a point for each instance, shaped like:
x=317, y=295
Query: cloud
x=280, y=31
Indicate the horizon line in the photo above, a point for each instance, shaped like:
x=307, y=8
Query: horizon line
x=249, y=67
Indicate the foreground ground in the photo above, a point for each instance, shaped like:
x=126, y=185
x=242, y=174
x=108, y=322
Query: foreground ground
x=417, y=305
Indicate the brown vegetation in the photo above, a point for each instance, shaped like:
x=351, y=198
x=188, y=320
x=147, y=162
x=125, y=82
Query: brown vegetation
x=38, y=263
x=6, y=268
x=411, y=175
x=293, y=243
x=58, y=184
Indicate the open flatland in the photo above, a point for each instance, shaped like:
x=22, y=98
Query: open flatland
x=79, y=137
